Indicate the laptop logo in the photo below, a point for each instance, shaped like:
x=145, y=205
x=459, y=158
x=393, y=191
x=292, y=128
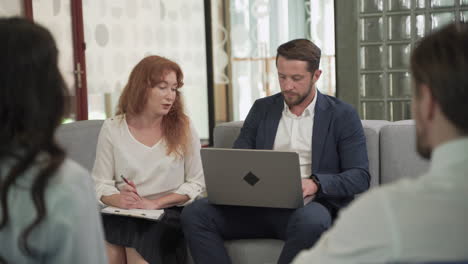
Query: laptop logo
x=251, y=179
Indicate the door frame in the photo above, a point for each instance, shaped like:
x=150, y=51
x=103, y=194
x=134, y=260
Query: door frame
x=79, y=61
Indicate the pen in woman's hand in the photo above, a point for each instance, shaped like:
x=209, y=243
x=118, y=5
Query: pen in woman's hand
x=130, y=183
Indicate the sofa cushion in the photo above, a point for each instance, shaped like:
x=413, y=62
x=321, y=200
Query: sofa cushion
x=79, y=139
x=225, y=134
x=252, y=251
x=398, y=155
x=371, y=131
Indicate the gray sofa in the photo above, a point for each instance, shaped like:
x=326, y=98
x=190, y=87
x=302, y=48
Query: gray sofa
x=390, y=145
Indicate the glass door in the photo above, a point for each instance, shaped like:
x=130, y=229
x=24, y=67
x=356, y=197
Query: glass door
x=11, y=8
x=119, y=34
x=61, y=18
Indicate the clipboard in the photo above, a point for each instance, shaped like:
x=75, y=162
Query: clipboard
x=154, y=215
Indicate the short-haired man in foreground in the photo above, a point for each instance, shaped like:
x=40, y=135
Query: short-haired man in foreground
x=329, y=138
x=425, y=219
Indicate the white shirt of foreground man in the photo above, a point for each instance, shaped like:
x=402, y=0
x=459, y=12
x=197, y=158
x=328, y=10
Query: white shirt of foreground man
x=425, y=219
x=412, y=220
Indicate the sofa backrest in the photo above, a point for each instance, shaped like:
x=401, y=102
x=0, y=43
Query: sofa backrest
x=390, y=146
x=371, y=131
x=79, y=139
x=398, y=155
x=225, y=134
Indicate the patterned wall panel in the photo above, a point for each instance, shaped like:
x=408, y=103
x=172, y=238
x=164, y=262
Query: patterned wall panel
x=11, y=8
x=56, y=17
x=119, y=33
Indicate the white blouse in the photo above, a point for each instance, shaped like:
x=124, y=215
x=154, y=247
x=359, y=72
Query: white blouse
x=153, y=171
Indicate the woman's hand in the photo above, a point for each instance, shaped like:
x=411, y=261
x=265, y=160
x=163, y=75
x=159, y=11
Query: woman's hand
x=122, y=200
x=165, y=201
x=145, y=203
x=126, y=199
x=131, y=191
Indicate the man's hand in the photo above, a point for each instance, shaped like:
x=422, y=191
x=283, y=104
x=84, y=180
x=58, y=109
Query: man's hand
x=308, y=187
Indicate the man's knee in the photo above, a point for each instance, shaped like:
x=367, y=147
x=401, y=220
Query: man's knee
x=195, y=213
x=312, y=219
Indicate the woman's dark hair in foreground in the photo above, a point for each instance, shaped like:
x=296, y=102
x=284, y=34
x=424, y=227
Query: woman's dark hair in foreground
x=32, y=93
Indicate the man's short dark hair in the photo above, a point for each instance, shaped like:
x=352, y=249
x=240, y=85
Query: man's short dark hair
x=440, y=61
x=301, y=49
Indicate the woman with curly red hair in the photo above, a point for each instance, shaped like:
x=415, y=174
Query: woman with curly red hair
x=152, y=143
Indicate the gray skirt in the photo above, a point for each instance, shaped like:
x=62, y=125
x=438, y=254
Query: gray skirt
x=156, y=241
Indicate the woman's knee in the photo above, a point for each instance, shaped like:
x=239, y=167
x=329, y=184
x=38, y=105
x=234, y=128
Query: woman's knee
x=115, y=254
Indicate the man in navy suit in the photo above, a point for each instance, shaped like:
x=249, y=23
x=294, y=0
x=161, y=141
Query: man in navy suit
x=328, y=136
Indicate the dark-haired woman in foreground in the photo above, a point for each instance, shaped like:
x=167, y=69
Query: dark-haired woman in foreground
x=48, y=212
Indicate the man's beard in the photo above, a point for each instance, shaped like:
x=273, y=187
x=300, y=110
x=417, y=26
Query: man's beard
x=299, y=100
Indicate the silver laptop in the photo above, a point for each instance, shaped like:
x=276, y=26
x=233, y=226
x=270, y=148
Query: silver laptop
x=246, y=177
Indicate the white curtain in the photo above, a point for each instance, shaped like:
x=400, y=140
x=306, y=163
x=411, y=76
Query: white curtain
x=258, y=27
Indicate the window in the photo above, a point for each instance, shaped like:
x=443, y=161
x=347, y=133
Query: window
x=257, y=28
x=386, y=32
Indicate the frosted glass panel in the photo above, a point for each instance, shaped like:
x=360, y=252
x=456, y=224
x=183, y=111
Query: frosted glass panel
x=371, y=29
x=322, y=21
x=399, y=27
x=371, y=6
x=397, y=5
x=441, y=19
x=371, y=57
x=442, y=3
x=399, y=110
x=420, y=26
x=399, y=85
x=420, y=3
x=398, y=56
x=121, y=33
x=372, y=85
x=464, y=16
x=384, y=60
x=373, y=110
x=56, y=17
x=251, y=74
x=11, y=8
x=258, y=27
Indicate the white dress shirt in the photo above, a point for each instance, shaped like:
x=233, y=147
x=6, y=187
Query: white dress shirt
x=150, y=168
x=412, y=220
x=295, y=134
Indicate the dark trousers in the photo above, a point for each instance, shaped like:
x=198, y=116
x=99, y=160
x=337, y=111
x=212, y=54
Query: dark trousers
x=207, y=226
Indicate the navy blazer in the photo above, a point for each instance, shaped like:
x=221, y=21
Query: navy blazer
x=339, y=154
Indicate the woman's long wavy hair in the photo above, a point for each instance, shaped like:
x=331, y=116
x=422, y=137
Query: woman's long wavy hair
x=32, y=105
x=147, y=74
